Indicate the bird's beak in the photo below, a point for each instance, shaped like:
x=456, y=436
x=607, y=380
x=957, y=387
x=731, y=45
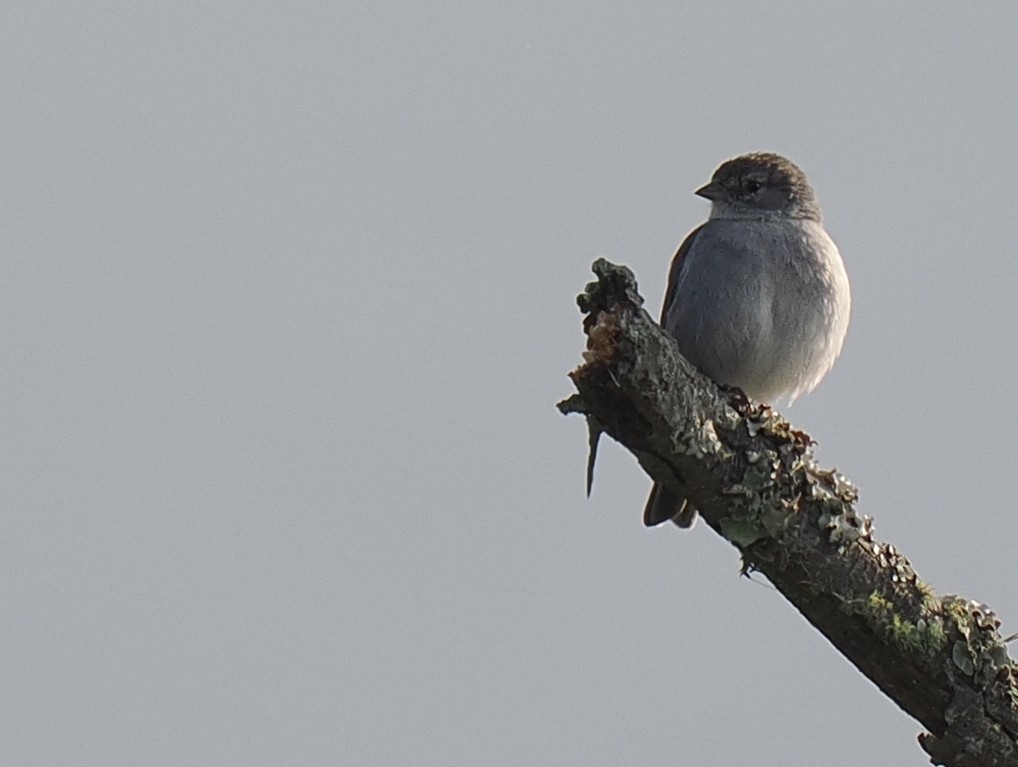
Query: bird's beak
x=711, y=191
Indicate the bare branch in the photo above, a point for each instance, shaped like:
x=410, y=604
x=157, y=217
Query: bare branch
x=753, y=479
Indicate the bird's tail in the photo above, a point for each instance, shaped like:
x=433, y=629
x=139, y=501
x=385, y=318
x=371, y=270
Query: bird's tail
x=664, y=505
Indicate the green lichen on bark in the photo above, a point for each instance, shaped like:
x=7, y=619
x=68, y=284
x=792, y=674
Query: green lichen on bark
x=924, y=637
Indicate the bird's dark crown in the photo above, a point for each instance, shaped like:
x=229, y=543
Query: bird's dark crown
x=762, y=182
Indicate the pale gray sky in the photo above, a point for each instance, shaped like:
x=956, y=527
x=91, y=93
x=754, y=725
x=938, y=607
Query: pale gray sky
x=287, y=304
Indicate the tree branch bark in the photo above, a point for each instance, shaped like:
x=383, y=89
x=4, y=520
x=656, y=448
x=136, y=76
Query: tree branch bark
x=753, y=479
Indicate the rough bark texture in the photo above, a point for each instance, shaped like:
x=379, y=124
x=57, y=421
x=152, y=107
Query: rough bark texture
x=754, y=481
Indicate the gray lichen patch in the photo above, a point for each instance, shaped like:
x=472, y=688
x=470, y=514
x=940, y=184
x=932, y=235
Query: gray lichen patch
x=760, y=507
x=978, y=651
x=705, y=441
x=779, y=478
x=892, y=561
x=844, y=526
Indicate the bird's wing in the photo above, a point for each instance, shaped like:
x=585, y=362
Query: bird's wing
x=663, y=504
x=675, y=272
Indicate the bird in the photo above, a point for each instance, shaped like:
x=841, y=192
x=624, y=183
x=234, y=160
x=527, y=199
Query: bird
x=757, y=297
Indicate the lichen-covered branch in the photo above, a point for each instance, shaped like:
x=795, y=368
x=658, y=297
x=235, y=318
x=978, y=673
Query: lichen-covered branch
x=753, y=479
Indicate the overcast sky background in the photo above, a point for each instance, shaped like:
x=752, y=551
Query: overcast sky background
x=288, y=300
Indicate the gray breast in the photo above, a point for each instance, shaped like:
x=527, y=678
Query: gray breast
x=762, y=305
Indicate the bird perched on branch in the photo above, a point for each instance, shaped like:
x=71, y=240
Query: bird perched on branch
x=757, y=296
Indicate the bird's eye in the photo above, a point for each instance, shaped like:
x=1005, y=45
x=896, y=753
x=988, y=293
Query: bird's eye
x=752, y=185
